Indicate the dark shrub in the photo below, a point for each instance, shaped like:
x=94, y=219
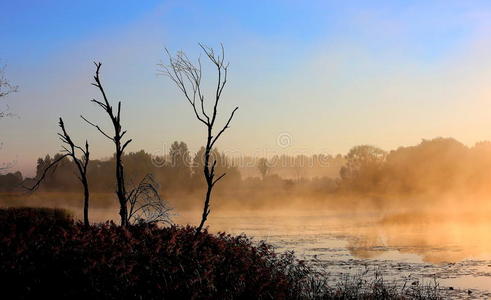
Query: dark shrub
x=35, y=215
x=45, y=254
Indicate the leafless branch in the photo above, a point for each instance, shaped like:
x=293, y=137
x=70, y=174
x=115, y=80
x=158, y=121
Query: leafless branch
x=81, y=163
x=51, y=167
x=224, y=127
x=6, y=87
x=188, y=78
x=98, y=128
x=119, y=144
x=145, y=204
x=220, y=177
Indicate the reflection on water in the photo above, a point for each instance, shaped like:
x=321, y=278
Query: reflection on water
x=455, y=248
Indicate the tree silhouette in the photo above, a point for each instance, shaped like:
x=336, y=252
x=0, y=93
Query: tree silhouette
x=6, y=87
x=146, y=205
x=362, y=156
x=263, y=167
x=81, y=163
x=119, y=144
x=179, y=155
x=188, y=78
x=363, y=166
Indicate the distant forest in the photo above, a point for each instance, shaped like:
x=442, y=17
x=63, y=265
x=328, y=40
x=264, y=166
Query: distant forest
x=441, y=166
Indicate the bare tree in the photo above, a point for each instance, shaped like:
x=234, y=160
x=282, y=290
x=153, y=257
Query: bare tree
x=81, y=163
x=145, y=204
x=119, y=144
x=188, y=78
x=6, y=87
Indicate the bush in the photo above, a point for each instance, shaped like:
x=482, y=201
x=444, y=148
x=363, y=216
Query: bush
x=44, y=253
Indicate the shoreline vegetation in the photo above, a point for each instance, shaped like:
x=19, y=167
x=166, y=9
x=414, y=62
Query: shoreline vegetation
x=45, y=252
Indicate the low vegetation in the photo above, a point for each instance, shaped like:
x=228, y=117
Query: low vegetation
x=44, y=252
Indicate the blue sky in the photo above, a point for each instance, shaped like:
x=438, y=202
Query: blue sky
x=331, y=74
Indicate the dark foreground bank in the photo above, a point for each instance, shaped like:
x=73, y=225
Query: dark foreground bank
x=45, y=253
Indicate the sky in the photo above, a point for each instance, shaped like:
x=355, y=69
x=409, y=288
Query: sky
x=308, y=76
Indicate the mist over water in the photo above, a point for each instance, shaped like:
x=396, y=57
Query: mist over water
x=454, y=249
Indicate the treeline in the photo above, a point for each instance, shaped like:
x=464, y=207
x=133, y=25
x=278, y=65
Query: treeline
x=438, y=166
x=296, y=167
x=11, y=182
x=441, y=166
x=177, y=171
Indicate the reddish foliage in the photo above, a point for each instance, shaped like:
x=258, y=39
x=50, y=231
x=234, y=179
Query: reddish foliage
x=45, y=253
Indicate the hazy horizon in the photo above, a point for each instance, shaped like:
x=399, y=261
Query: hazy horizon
x=234, y=154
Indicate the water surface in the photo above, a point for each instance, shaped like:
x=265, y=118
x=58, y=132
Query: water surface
x=454, y=248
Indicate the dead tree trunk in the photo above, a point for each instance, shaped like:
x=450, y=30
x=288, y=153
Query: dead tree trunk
x=187, y=76
x=81, y=165
x=86, y=200
x=117, y=139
